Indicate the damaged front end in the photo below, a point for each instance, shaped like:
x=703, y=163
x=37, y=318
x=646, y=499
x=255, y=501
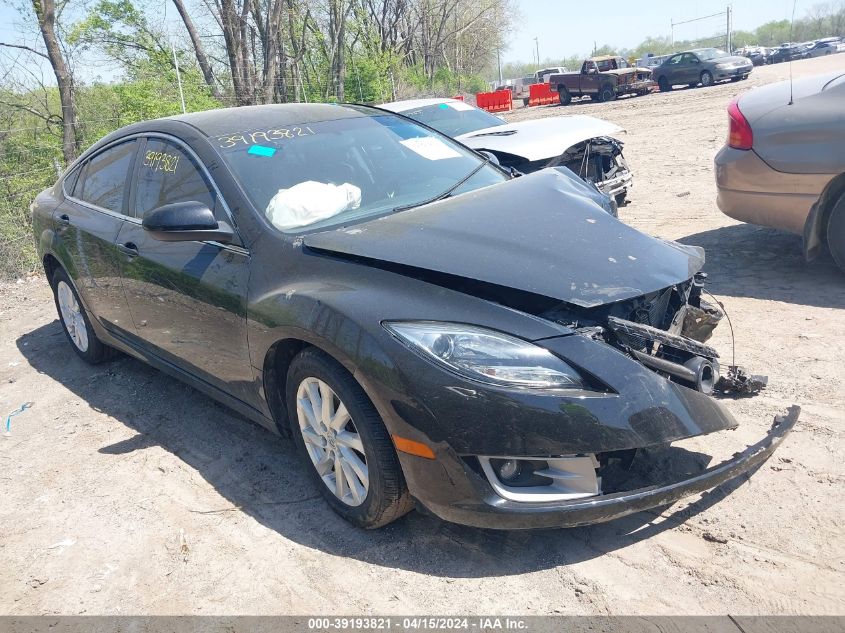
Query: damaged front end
x=598, y=161
x=666, y=331
x=624, y=310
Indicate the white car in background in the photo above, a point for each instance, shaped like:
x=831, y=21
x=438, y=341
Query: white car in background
x=588, y=146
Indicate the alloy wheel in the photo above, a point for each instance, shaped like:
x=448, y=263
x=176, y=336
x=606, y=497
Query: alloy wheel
x=72, y=316
x=332, y=441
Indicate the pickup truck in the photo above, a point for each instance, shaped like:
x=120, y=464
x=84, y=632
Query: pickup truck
x=602, y=79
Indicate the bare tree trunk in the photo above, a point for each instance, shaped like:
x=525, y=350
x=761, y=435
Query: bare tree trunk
x=45, y=11
x=338, y=13
x=199, y=50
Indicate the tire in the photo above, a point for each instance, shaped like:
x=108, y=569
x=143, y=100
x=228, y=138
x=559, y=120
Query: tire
x=75, y=321
x=706, y=78
x=664, y=84
x=367, y=446
x=836, y=233
x=606, y=93
x=563, y=95
x=525, y=101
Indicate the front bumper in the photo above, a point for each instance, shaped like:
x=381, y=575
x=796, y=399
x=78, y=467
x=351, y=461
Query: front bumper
x=641, y=86
x=482, y=507
x=730, y=73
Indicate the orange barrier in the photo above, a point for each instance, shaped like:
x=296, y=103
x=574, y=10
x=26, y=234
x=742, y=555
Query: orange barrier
x=499, y=101
x=459, y=97
x=541, y=94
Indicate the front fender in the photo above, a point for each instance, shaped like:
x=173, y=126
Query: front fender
x=338, y=306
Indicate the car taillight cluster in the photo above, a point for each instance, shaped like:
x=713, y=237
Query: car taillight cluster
x=739, y=132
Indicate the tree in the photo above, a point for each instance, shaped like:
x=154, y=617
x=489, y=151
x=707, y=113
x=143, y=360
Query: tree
x=45, y=14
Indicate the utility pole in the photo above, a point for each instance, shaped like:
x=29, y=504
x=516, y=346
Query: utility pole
x=537, y=48
x=499, y=62
x=672, y=25
x=728, y=32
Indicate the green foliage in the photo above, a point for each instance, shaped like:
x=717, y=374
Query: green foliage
x=445, y=82
x=121, y=30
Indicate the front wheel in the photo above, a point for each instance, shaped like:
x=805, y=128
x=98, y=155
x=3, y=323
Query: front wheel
x=75, y=321
x=607, y=93
x=706, y=78
x=563, y=95
x=344, y=442
x=836, y=233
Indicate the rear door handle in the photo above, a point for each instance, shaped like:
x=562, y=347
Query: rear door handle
x=128, y=248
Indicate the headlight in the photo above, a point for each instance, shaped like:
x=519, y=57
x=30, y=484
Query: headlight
x=723, y=65
x=487, y=356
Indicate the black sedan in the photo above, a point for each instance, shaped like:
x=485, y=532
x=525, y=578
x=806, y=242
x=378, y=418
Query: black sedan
x=427, y=327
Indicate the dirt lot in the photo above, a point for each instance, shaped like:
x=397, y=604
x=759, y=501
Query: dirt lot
x=124, y=491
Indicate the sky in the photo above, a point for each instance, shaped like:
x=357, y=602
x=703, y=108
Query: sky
x=570, y=27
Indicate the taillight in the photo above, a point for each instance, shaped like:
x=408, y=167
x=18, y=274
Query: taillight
x=739, y=132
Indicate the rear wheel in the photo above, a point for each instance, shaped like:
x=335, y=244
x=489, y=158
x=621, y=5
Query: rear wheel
x=563, y=95
x=344, y=442
x=607, y=93
x=525, y=101
x=706, y=78
x=836, y=233
x=75, y=321
x=664, y=84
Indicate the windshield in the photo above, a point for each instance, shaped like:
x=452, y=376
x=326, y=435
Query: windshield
x=334, y=172
x=710, y=53
x=454, y=117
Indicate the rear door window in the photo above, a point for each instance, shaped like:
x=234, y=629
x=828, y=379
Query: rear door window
x=103, y=182
x=168, y=174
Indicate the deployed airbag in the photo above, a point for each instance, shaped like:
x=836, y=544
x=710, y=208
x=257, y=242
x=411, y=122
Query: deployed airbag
x=310, y=202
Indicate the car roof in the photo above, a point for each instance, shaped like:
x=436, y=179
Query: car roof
x=231, y=120
x=603, y=58
x=411, y=104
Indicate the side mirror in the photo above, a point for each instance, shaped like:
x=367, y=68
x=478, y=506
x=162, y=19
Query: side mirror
x=186, y=222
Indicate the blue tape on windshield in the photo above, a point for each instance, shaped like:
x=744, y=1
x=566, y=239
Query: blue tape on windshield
x=262, y=150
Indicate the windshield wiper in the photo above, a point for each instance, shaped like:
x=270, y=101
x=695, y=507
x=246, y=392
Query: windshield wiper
x=446, y=193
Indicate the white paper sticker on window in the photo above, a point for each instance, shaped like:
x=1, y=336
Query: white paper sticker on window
x=430, y=147
x=459, y=105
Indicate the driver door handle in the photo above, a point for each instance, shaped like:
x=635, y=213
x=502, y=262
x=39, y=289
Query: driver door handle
x=128, y=248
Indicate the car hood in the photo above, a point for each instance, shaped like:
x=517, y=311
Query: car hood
x=730, y=59
x=537, y=233
x=540, y=138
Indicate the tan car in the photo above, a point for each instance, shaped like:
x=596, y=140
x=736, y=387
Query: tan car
x=784, y=163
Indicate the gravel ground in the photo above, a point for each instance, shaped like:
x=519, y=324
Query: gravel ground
x=124, y=491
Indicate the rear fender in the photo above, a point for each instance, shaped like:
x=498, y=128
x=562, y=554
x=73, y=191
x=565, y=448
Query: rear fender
x=815, y=228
